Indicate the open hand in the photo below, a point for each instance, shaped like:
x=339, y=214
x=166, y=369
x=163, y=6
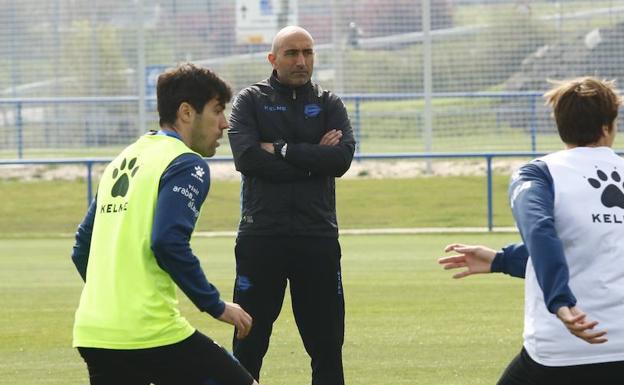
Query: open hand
x=477, y=259
x=575, y=321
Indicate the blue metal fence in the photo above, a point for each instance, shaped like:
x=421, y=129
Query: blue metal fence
x=528, y=112
x=487, y=156
x=20, y=104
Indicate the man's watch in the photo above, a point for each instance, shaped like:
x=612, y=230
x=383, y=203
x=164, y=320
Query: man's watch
x=280, y=148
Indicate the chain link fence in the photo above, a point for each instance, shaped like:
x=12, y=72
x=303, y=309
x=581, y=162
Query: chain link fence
x=77, y=77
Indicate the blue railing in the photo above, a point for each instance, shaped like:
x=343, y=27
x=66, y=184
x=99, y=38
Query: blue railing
x=19, y=104
x=487, y=156
x=488, y=160
x=531, y=123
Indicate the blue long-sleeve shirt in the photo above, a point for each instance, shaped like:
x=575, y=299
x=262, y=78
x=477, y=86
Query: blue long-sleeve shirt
x=532, y=197
x=174, y=221
x=511, y=260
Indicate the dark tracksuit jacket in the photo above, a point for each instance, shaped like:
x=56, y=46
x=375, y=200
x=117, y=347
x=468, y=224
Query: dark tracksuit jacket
x=295, y=195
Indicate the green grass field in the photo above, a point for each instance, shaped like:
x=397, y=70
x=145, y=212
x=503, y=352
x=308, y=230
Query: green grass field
x=49, y=208
x=407, y=322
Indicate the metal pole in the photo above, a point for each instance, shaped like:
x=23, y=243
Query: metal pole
x=15, y=80
x=89, y=182
x=490, y=213
x=174, y=18
x=141, y=66
x=427, y=77
x=92, y=137
x=533, y=123
x=338, y=55
x=19, y=123
x=282, y=16
x=52, y=136
x=95, y=53
x=358, y=129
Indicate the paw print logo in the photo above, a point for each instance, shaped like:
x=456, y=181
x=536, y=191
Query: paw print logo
x=612, y=194
x=120, y=188
x=199, y=171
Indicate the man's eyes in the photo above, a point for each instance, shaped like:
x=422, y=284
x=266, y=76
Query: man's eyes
x=295, y=53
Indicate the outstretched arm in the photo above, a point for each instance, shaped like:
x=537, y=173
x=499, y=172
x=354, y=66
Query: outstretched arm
x=476, y=259
x=510, y=260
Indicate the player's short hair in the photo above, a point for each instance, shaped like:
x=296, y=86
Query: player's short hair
x=188, y=83
x=581, y=107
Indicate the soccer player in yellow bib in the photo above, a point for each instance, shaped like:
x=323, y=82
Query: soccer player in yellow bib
x=132, y=249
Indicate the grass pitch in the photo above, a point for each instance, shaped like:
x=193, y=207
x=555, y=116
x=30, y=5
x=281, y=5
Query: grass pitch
x=49, y=208
x=407, y=321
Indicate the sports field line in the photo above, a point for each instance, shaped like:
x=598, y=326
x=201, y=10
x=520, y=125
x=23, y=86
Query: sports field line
x=406, y=230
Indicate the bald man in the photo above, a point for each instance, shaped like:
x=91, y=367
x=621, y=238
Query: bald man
x=290, y=140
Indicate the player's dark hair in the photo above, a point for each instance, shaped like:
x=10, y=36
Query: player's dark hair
x=191, y=84
x=582, y=107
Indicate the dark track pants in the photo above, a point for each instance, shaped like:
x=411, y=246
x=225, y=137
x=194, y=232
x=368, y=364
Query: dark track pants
x=196, y=360
x=524, y=371
x=312, y=266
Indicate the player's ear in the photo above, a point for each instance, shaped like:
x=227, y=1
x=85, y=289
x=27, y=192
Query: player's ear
x=271, y=58
x=186, y=112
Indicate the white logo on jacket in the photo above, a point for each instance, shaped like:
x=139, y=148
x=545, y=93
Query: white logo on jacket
x=199, y=173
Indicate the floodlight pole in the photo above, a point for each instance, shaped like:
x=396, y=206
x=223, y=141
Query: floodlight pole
x=427, y=77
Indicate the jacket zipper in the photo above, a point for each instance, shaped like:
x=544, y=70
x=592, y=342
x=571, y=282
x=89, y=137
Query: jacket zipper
x=293, y=205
